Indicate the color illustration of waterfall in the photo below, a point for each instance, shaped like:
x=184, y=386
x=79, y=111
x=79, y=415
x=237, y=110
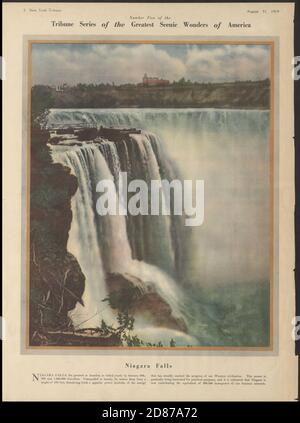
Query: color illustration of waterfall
x=214, y=278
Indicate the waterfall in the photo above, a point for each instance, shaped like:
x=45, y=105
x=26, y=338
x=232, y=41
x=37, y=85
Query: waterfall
x=201, y=120
x=83, y=238
x=229, y=150
x=219, y=146
x=100, y=243
x=150, y=237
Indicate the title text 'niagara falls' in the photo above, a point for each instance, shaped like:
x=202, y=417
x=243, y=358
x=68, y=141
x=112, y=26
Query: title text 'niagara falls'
x=138, y=198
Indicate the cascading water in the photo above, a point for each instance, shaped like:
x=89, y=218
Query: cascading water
x=231, y=247
x=156, y=120
x=83, y=236
x=100, y=242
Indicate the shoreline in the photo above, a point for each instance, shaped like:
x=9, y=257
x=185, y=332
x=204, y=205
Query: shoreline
x=185, y=108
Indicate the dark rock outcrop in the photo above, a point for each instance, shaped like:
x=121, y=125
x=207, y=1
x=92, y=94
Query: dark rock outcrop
x=81, y=339
x=56, y=280
x=128, y=293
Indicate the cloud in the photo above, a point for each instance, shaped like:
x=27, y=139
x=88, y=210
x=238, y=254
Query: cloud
x=54, y=64
x=227, y=63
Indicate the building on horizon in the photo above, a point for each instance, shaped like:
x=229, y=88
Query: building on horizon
x=154, y=81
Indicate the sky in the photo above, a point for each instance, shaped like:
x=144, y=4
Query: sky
x=54, y=64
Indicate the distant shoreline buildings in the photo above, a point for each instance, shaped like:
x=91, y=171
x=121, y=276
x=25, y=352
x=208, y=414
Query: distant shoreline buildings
x=60, y=88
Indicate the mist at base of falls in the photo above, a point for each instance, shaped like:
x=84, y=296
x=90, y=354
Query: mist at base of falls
x=191, y=267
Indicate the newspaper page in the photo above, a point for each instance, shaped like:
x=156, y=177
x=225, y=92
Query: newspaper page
x=148, y=202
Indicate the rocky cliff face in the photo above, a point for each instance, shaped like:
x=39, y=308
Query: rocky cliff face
x=56, y=280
